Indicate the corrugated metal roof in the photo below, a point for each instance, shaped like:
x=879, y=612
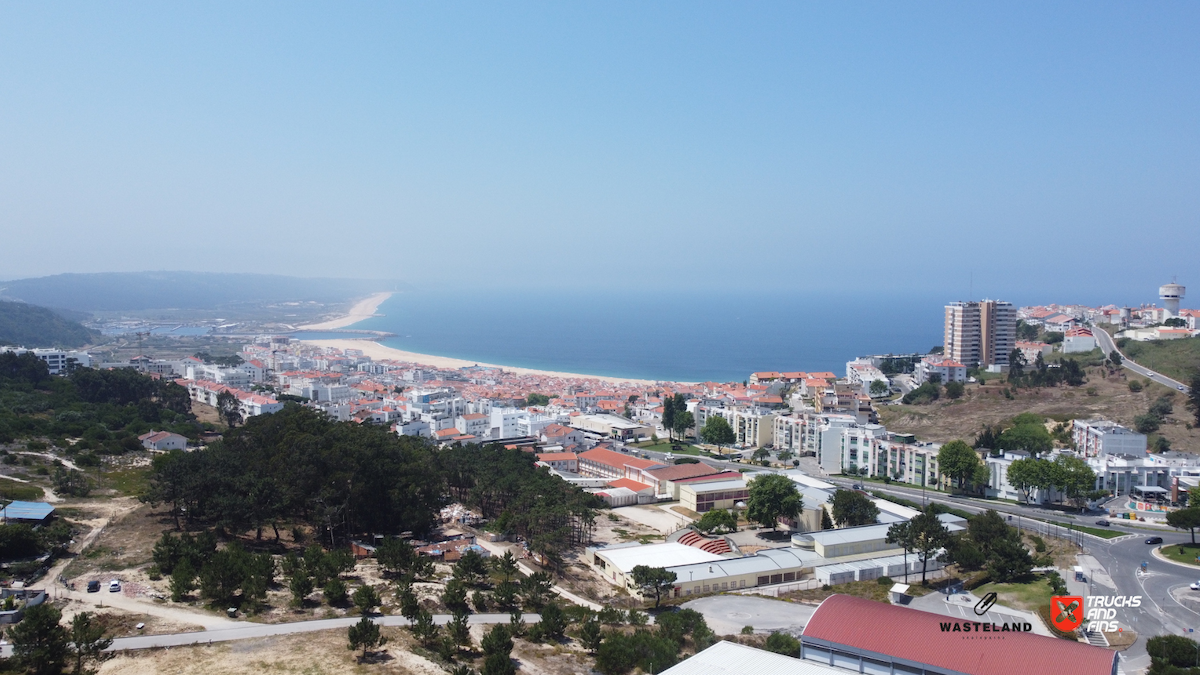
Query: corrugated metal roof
x=916, y=637
x=27, y=511
x=728, y=658
x=655, y=555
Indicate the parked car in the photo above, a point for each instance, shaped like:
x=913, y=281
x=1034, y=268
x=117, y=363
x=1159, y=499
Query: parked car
x=114, y=586
x=93, y=586
x=1154, y=540
x=1103, y=522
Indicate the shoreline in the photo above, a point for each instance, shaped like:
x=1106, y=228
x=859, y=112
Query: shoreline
x=380, y=352
x=363, y=309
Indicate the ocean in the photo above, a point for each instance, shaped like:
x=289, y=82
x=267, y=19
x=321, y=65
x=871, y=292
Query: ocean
x=721, y=336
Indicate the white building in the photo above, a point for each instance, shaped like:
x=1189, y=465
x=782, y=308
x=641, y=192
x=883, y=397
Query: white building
x=1078, y=340
x=505, y=422
x=473, y=424
x=1101, y=437
x=163, y=440
x=862, y=372
x=947, y=369
x=57, y=361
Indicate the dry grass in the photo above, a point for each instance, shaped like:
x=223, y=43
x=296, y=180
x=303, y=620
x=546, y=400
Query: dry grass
x=1122, y=640
x=325, y=653
x=125, y=543
x=319, y=653
x=986, y=404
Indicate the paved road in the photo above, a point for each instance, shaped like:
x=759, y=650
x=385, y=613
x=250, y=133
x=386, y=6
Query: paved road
x=728, y=614
x=1107, y=345
x=266, y=630
x=1163, y=587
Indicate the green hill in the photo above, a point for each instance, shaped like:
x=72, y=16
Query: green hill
x=1179, y=359
x=33, y=326
x=134, y=291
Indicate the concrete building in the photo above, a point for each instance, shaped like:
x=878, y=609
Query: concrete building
x=610, y=426
x=615, y=563
x=1078, y=340
x=58, y=361
x=704, y=497
x=980, y=333
x=560, y=461
x=946, y=370
x=1102, y=437
x=604, y=463
x=473, y=424
x=1171, y=294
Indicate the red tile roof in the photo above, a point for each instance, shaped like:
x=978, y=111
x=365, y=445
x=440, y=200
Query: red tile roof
x=630, y=484
x=556, y=456
x=616, y=459
x=681, y=471
x=728, y=475
x=916, y=636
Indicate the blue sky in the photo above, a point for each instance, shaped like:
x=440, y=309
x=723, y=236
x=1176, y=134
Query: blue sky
x=906, y=146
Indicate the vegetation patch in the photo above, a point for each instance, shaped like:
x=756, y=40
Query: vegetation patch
x=13, y=491
x=1188, y=554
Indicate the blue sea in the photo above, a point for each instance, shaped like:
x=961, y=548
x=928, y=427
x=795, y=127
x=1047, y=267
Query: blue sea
x=721, y=336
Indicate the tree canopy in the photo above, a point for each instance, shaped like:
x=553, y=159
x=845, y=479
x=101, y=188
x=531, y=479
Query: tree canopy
x=716, y=431
x=851, y=509
x=773, y=496
x=957, y=461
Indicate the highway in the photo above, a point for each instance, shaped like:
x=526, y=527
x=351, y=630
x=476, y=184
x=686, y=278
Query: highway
x=1108, y=346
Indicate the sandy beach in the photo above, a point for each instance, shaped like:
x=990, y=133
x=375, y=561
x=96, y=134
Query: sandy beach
x=379, y=352
x=364, y=309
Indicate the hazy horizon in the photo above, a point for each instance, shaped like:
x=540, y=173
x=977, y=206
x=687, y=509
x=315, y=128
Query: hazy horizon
x=1036, y=150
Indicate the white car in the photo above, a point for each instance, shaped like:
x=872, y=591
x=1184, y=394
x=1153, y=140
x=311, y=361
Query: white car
x=1195, y=586
x=114, y=586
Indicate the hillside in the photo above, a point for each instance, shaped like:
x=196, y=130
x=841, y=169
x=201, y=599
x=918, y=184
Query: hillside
x=1111, y=399
x=1179, y=359
x=33, y=326
x=128, y=291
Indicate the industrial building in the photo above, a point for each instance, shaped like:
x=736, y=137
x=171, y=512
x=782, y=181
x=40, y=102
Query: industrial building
x=830, y=556
x=704, y=497
x=840, y=634
x=731, y=658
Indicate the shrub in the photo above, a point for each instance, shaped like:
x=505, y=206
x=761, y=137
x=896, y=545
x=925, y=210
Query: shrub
x=747, y=630
x=884, y=581
x=1135, y=386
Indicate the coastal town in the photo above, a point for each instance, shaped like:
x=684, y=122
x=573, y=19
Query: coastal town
x=605, y=338
x=685, y=467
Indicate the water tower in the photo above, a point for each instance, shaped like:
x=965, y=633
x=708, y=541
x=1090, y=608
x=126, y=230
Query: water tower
x=1171, y=294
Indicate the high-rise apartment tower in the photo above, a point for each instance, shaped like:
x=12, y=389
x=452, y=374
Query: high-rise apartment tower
x=980, y=334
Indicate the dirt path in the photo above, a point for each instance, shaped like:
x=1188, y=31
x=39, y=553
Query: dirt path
x=104, y=599
x=497, y=550
x=53, y=458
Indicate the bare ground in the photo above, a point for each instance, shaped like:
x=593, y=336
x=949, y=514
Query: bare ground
x=326, y=653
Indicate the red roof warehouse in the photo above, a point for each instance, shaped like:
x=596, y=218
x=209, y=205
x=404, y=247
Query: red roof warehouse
x=881, y=638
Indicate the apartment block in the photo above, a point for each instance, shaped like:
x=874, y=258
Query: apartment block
x=980, y=333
